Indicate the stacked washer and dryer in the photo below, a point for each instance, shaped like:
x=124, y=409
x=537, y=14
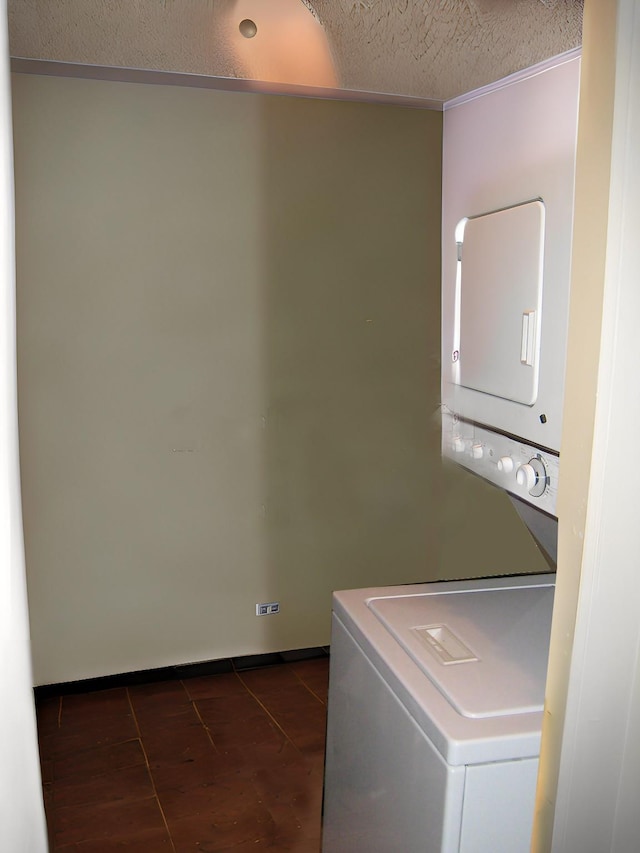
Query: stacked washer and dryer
x=436, y=690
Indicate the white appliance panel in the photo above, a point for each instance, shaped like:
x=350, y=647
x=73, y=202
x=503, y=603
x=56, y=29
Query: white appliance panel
x=404, y=768
x=500, y=266
x=511, y=784
x=502, y=149
x=504, y=461
x=379, y=764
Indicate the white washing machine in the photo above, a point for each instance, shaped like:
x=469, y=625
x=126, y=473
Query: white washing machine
x=436, y=697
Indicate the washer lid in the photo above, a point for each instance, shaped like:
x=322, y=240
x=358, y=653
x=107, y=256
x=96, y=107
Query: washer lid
x=485, y=650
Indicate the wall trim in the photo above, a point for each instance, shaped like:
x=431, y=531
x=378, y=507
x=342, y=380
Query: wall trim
x=516, y=77
x=53, y=68
x=178, y=672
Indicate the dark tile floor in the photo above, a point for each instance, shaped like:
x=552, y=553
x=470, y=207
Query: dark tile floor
x=229, y=762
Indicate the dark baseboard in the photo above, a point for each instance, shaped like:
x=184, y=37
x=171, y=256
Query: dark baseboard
x=169, y=673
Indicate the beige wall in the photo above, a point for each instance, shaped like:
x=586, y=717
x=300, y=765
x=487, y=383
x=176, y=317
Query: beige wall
x=229, y=333
x=226, y=325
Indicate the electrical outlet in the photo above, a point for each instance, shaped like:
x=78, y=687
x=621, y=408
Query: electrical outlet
x=268, y=609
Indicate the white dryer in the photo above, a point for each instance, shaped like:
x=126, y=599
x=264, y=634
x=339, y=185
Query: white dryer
x=435, y=715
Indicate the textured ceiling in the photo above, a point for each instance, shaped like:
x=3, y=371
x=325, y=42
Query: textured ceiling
x=443, y=48
x=433, y=49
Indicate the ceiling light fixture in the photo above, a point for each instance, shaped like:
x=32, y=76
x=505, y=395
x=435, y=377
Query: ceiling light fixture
x=248, y=28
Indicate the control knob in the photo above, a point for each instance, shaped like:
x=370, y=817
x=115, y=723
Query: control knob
x=458, y=445
x=505, y=464
x=533, y=476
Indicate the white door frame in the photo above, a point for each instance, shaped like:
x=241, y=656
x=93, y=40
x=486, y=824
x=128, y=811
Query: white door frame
x=597, y=807
x=22, y=823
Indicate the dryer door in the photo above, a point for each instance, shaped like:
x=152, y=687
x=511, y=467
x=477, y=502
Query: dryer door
x=500, y=302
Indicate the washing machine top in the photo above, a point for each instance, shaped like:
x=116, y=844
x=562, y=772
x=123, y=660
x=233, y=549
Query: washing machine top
x=466, y=659
x=485, y=650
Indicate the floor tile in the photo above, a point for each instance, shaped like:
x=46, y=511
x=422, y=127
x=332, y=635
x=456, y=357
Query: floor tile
x=314, y=674
x=238, y=721
x=112, y=702
x=231, y=762
x=174, y=735
x=223, y=795
x=214, y=686
x=148, y=841
x=283, y=782
x=185, y=774
x=269, y=679
x=180, y=752
x=111, y=822
x=48, y=711
x=293, y=843
x=63, y=746
x=125, y=784
x=98, y=719
x=46, y=769
x=299, y=714
x=221, y=710
x=98, y=760
x=47, y=791
x=158, y=699
x=222, y=829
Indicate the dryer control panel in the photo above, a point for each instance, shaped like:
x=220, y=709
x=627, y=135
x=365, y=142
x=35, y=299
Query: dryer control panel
x=526, y=471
